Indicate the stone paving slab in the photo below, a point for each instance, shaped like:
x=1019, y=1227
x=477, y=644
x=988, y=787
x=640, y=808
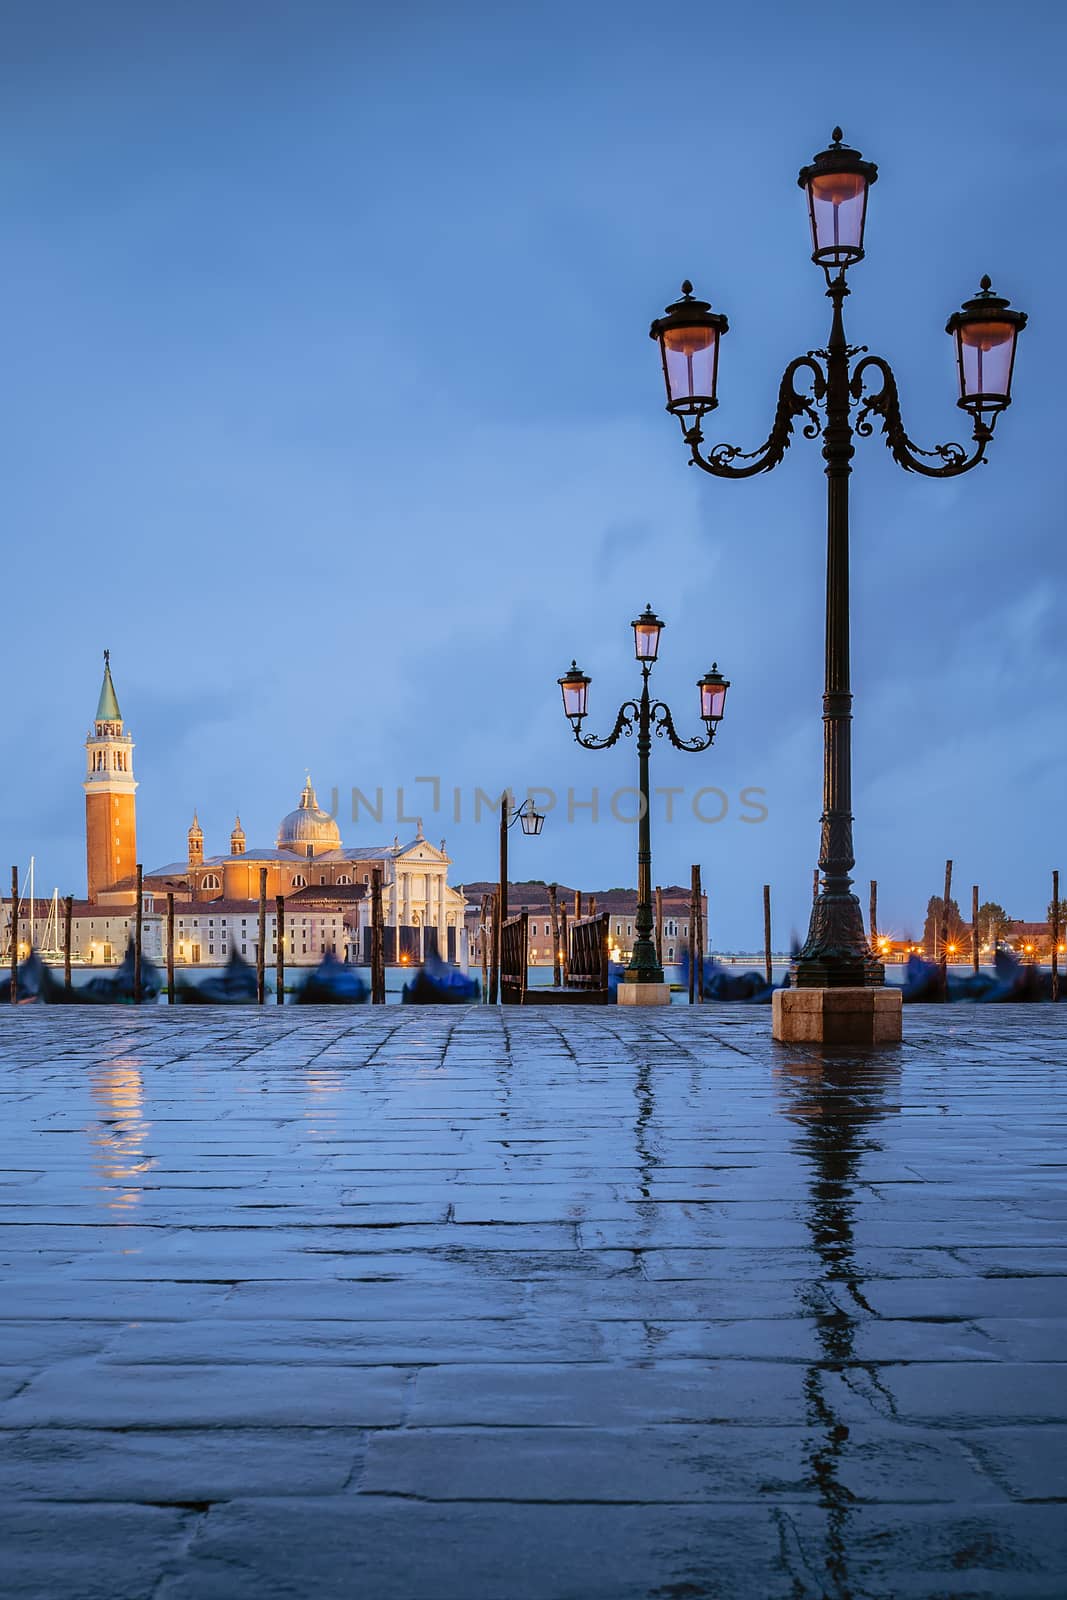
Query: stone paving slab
x=591, y=1305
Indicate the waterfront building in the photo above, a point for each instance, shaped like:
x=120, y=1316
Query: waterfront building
x=205, y=933
x=308, y=864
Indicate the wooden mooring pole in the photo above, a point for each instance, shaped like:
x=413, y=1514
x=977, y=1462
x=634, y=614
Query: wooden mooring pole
x=553, y=908
x=261, y=945
x=700, y=939
x=14, y=935
x=484, y=924
x=974, y=928
x=170, y=948
x=694, y=879
x=377, y=940
x=1055, y=936
x=494, y=966
x=279, y=957
x=659, y=926
x=767, y=933
x=138, y=935
x=68, y=940
x=874, y=915
x=944, y=930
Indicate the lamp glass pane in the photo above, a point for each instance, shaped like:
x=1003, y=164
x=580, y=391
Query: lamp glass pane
x=646, y=640
x=712, y=701
x=690, y=358
x=985, y=358
x=574, y=698
x=838, y=201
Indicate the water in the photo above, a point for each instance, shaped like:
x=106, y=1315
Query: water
x=539, y=977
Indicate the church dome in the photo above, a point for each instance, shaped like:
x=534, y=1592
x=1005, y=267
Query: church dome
x=308, y=829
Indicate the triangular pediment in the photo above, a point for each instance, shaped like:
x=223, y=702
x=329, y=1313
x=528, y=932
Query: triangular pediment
x=419, y=850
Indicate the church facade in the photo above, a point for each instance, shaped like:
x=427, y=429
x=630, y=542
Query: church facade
x=308, y=861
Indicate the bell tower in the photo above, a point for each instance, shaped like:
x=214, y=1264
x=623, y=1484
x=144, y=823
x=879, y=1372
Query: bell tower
x=110, y=806
x=195, y=837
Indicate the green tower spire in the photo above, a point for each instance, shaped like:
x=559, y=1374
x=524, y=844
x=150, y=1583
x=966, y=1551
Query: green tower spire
x=107, y=709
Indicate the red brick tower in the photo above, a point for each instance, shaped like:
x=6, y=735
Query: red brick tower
x=110, y=806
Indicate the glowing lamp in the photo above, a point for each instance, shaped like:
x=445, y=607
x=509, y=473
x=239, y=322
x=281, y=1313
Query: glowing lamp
x=713, y=687
x=532, y=821
x=575, y=687
x=985, y=331
x=836, y=184
x=688, y=334
x=647, y=629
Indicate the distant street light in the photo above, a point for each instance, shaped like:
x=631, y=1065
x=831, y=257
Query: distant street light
x=836, y=185
x=644, y=714
x=532, y=822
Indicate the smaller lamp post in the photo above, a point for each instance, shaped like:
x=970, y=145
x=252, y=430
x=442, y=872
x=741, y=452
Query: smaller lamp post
x=645, y=715
x=532, y=822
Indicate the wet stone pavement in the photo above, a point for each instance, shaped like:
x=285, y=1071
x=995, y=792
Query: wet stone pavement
x=579, y=1305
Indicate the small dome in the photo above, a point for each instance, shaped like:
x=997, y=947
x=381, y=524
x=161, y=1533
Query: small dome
x=308, y=825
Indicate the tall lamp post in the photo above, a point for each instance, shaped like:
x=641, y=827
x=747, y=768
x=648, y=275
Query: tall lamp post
x=835, y=383
x=532, y=822
x=643, y=980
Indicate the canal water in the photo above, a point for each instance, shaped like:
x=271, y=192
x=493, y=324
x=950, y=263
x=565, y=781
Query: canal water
x=538, y=977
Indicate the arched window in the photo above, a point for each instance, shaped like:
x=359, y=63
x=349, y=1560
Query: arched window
x=299, y=882
x=344, y=878
x=210, y=880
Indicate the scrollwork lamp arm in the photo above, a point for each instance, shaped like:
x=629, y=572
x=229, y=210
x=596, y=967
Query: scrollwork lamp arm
x=629, y=713
x=663, y=722
x=792, y=403
x=884, y=402
x=516, y=815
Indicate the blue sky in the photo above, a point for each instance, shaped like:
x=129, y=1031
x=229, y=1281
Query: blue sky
x=329, y=406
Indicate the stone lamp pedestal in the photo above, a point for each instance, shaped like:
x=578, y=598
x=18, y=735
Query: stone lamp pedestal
x=643, y=994
x=836, y=1016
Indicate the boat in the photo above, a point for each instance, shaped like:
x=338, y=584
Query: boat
x=332, y=983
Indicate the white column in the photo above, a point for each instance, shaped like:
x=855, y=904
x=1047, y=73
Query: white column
x=442, y=917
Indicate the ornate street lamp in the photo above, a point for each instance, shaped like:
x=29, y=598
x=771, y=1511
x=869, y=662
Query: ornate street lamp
x=834, y=385
x=575, y=687
x=645, y=715
x=836, y=184
x=713, y=687
x=647, y=629
x=532, y=822
x=688, y=335
x=985, y=332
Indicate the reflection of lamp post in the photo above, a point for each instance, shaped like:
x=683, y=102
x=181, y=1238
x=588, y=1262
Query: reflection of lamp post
x=836, y=183
x=834, y=1106
x=532, y=823
x=644, y=714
